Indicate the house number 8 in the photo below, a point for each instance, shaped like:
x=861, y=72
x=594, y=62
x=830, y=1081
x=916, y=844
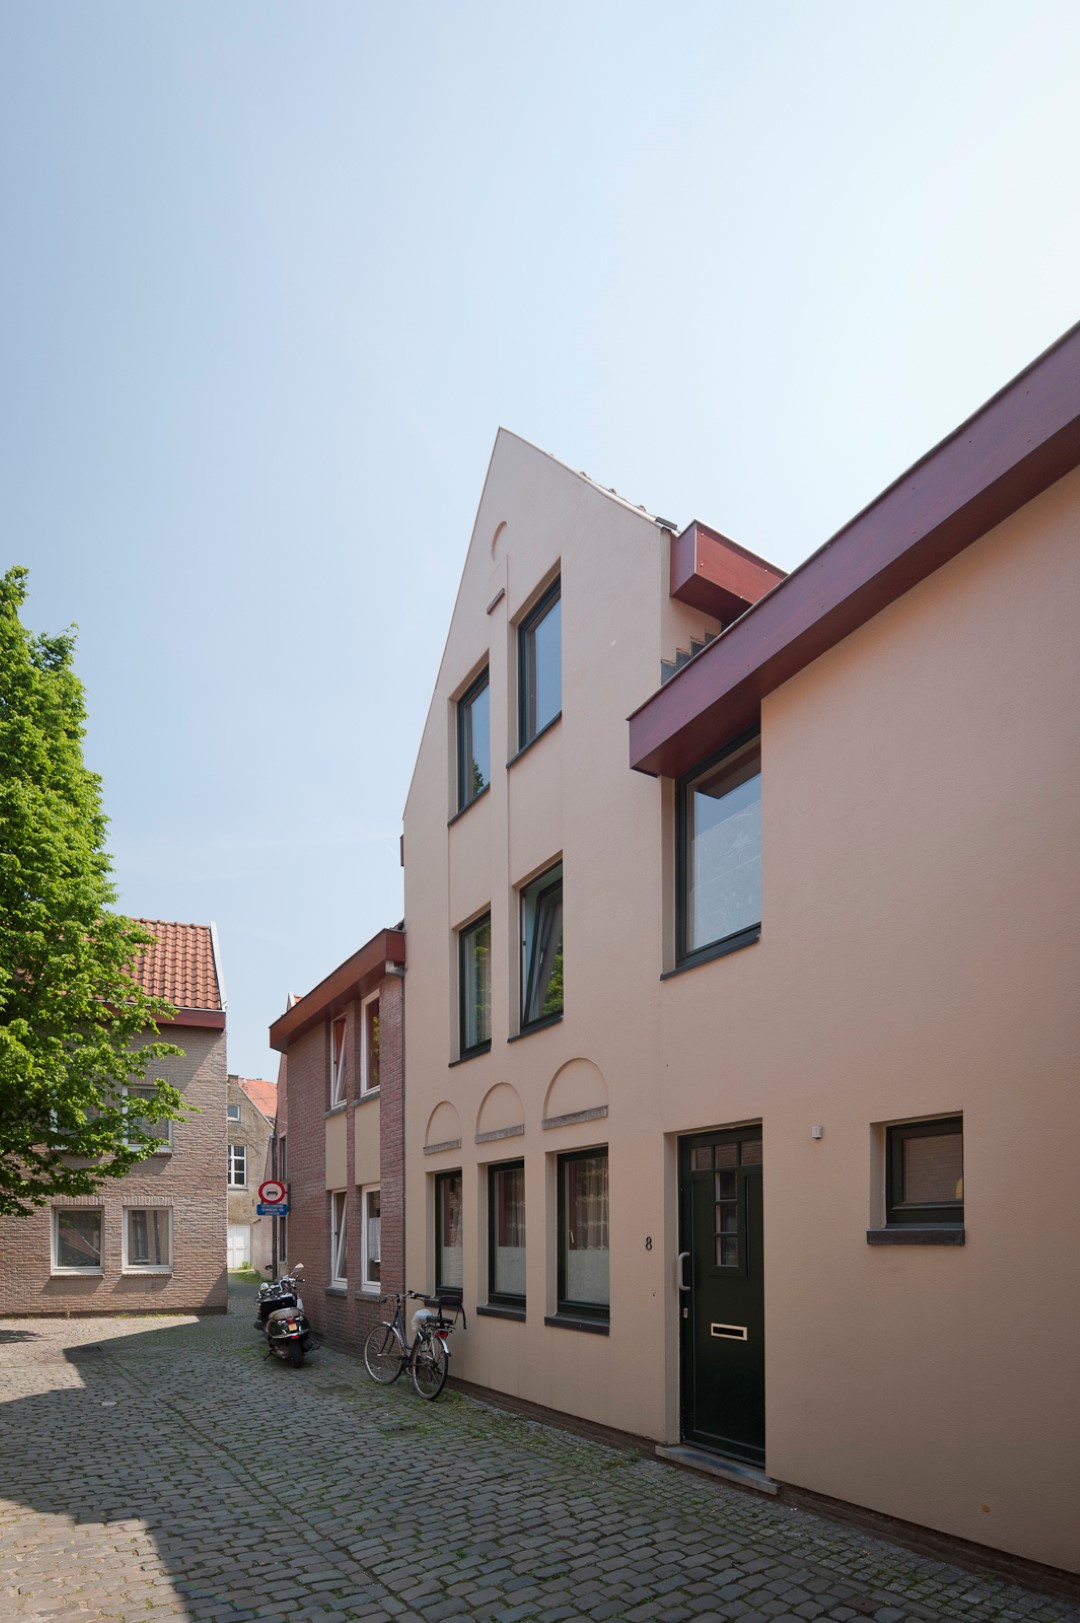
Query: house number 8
x=648, y=1242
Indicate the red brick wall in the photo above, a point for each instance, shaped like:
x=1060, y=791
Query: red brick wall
x=190, y=1181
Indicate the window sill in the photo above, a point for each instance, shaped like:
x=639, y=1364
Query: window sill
x=535, y=739
x=913, y=1234
x=77, y=1273
x=369, y=1093
x=473, y=1053
x=566, y=1321
x=366, y=1296
x=493, y=1310
x=337, y=1290
x=719, y=949
x=335, y=1110
x=536, y=1025
x=134, y=1271
x=468, y=805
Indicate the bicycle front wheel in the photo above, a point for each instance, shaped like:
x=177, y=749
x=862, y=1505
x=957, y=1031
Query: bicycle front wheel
x=430, y=1368
x=383, y=1354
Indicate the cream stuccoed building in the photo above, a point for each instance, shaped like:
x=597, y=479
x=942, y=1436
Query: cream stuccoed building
x=741, y=1100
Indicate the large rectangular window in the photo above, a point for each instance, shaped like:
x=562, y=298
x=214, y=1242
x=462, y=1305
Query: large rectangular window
x=474, y=979
x=237, y=1166
x=583, y=1234
x=148, y=1238
x=337, y=1062
x=474, y=741
x=540, y=666
x=161, y=1130
x=506, y=1234
x=924, y=1172
x=370, y=1239
x=339, y=1241
x=448, y=1274
x=542, y=948
x=719, y=852
x=76, y=1239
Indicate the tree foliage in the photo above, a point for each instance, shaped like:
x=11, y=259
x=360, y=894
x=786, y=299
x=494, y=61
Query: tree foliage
x=75, y=1027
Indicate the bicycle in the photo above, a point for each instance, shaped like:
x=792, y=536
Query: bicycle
x=388, y=1352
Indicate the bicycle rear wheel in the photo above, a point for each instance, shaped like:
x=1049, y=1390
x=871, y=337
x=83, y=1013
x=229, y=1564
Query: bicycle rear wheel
x=430, y=1367
x=383, y=1354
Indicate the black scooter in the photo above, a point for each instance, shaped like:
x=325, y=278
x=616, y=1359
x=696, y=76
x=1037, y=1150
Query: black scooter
x=282, y=1319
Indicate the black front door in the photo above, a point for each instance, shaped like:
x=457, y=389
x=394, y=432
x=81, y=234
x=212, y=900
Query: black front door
x=722, y=1304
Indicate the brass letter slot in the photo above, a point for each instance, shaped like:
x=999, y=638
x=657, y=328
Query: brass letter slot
x=729, y=1332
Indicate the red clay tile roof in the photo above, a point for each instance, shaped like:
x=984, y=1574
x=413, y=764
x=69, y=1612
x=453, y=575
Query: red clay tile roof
x=263, y=1095
x=181, y=967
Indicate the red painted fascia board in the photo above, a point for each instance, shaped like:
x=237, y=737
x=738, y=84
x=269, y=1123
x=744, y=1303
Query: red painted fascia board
x=712, y=573
x=211, y=1019
x=353, y=979
x=1012, y=449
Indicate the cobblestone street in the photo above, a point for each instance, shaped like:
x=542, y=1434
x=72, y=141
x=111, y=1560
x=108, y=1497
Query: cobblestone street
x=164, y=1469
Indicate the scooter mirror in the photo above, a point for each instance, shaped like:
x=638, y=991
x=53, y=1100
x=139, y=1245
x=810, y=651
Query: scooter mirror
x=299, y=1268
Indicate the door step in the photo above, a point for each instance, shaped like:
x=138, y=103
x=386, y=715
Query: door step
x=699, y=1459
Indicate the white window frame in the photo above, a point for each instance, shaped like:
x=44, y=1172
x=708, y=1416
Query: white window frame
x=134, y=1091
x=232, y=1112
x=338, y=1060
x=238, y=1152
x=130, y=1267
x=366, y=1255
x=366, y=1086
x=339, y=1237
x=70, y=1269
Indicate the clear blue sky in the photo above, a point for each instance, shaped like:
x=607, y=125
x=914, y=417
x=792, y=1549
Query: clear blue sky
x=272, y=275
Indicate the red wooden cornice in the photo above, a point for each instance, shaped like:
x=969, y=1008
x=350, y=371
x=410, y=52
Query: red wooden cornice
x=355, y=978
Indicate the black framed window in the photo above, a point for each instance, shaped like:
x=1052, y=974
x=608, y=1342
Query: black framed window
x=474, y=981
x=506, y=1234
x=474, y=741
x=924, y=1172
x=719, y=851
x=584, y=1288
x=540, y=666
x=448, y=1274
x=542, y=948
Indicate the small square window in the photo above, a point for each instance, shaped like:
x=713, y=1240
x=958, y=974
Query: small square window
x=148, y=1238
x=369, y=1052
x=540, y=666
x=237, y=1166
x=339, y=1232
x=473, y=741
x=371, y=1239
x=448, y=1253
x=924, y=1172
x=719, y=852
x=542, y=948
x=76, y=1239
x=232, y=1112
x=506, y=1234
x=584, y=1290
x=337, y=1062
x=474, y=986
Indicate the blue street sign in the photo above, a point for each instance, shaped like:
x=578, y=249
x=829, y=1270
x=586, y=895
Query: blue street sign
x=272, y=1211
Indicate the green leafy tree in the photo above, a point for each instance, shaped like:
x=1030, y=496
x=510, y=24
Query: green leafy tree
x=75, y=1027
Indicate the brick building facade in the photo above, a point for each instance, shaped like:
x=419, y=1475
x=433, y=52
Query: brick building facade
x=340, y=1137
x=153, y=1241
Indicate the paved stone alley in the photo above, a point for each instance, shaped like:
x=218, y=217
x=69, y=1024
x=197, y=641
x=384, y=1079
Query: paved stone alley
x=164, y=1469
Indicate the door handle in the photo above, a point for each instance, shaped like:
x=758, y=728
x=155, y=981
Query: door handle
x=684, y=1258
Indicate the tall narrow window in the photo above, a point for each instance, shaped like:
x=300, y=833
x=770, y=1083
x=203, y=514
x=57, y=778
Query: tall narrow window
x=148, y=1238
x=337, y=1062
x=369, y=1053
x=542, y=948
x=506, y=1228
x=474, y=976
x=540, y=666
x=448, y=1274
x=339, y=1229
x=371, y=1240
x=719, y=849
x=237, y=1166
x=474, y=741
x=583, y=1234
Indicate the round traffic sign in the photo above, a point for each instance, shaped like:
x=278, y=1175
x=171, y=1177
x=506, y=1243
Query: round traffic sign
x=271, y=1193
